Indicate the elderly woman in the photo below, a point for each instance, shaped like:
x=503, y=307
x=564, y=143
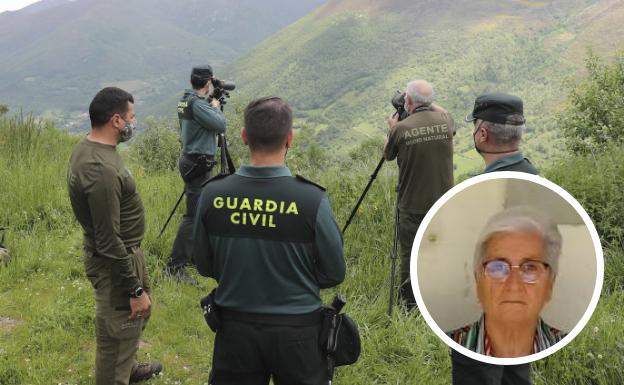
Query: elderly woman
x=515, y=265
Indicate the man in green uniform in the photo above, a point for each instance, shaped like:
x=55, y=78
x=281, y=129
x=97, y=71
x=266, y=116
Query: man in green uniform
x=271, y=242
x=200, y=122
x=422, y=143
x=106, y=203
x=499, y=122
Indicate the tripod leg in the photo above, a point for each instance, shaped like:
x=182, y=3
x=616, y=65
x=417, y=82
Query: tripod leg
x=171, y=215
x=393, y=258
x=228, y=158
x=357, y=205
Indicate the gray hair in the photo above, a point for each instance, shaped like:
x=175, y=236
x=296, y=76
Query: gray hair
x=508, y=133
x=421, y=92
x=521, y=219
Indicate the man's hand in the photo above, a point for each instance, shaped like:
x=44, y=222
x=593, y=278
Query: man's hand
x=393, y=120
x=215, y=103
x=140, y=307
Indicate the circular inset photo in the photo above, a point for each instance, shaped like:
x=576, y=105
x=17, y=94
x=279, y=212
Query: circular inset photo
x=507, y=268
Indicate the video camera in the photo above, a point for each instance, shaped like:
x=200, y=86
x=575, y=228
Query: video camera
x=221, y=89
x=398, y=102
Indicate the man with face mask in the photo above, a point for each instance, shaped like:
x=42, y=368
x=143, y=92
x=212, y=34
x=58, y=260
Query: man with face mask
x=498, y=119
x=107, y=205
x=422, y=143
x=499, y=122
x=200, y=122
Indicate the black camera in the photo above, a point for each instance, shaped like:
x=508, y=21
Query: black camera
x=398, y=102
x=221, y=89
x=223, y=84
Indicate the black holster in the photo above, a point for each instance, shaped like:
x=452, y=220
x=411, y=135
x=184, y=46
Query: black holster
x=211, y=311
x=203, y=164
x=339, y=338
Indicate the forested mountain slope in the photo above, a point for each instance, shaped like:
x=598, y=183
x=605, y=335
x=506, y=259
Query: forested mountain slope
x=340, y=65
x=56, y=54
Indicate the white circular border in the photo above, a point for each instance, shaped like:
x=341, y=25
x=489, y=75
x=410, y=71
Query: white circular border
x=599, y=267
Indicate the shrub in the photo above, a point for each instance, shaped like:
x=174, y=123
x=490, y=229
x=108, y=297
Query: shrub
x=597, y=181
x=157, y=147
x=594, y=116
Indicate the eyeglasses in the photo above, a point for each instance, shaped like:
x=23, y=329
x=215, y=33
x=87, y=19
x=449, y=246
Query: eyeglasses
x=530, y=271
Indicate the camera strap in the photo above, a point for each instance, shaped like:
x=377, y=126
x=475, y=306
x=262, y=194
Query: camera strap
x=421, y=109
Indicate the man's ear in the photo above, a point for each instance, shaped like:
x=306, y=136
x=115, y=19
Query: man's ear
x=408, y=102
x=244, y=135
x=290, y=137
x=115, y=120
x=482, y=134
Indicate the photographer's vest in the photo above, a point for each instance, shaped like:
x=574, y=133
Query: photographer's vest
x=262, y=231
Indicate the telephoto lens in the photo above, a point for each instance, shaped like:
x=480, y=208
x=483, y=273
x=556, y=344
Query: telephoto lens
x=223, y=84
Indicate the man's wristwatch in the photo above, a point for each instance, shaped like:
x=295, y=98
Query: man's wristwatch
x=136, y=293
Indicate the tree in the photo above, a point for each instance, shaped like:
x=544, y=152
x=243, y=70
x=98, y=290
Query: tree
x=594, y=117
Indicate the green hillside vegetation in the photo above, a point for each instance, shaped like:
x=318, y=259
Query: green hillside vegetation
x=47, y=306
x=597, y=26
x=340, y=65
x=594, y=118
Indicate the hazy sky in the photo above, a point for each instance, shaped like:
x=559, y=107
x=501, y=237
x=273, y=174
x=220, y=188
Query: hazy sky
x=12, y=5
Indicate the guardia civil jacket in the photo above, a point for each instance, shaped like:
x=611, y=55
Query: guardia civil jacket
x=199, y=124
x=269, y=239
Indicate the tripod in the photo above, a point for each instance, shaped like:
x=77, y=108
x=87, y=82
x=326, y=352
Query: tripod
x=393, y=254
x=359, y=202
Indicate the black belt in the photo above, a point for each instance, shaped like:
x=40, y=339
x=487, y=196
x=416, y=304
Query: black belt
x=194, y=157
x=307, y=319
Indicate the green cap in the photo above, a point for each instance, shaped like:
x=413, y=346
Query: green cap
x=202, y=72
x=497, y=107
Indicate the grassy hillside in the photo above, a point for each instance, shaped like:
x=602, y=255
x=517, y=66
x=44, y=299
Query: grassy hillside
x=340, y=65
x=47, y=306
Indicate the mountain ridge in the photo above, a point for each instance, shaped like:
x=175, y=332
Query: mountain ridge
x=58, y=53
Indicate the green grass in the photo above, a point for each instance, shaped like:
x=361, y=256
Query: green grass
x=45, y=289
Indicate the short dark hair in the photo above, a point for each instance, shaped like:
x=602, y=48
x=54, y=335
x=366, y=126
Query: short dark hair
x=108, y=102
x=267, y=122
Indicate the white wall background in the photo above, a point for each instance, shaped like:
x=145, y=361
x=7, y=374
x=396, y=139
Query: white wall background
x=445, y=268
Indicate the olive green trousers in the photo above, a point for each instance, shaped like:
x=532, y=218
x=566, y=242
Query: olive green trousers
x=117, y=337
